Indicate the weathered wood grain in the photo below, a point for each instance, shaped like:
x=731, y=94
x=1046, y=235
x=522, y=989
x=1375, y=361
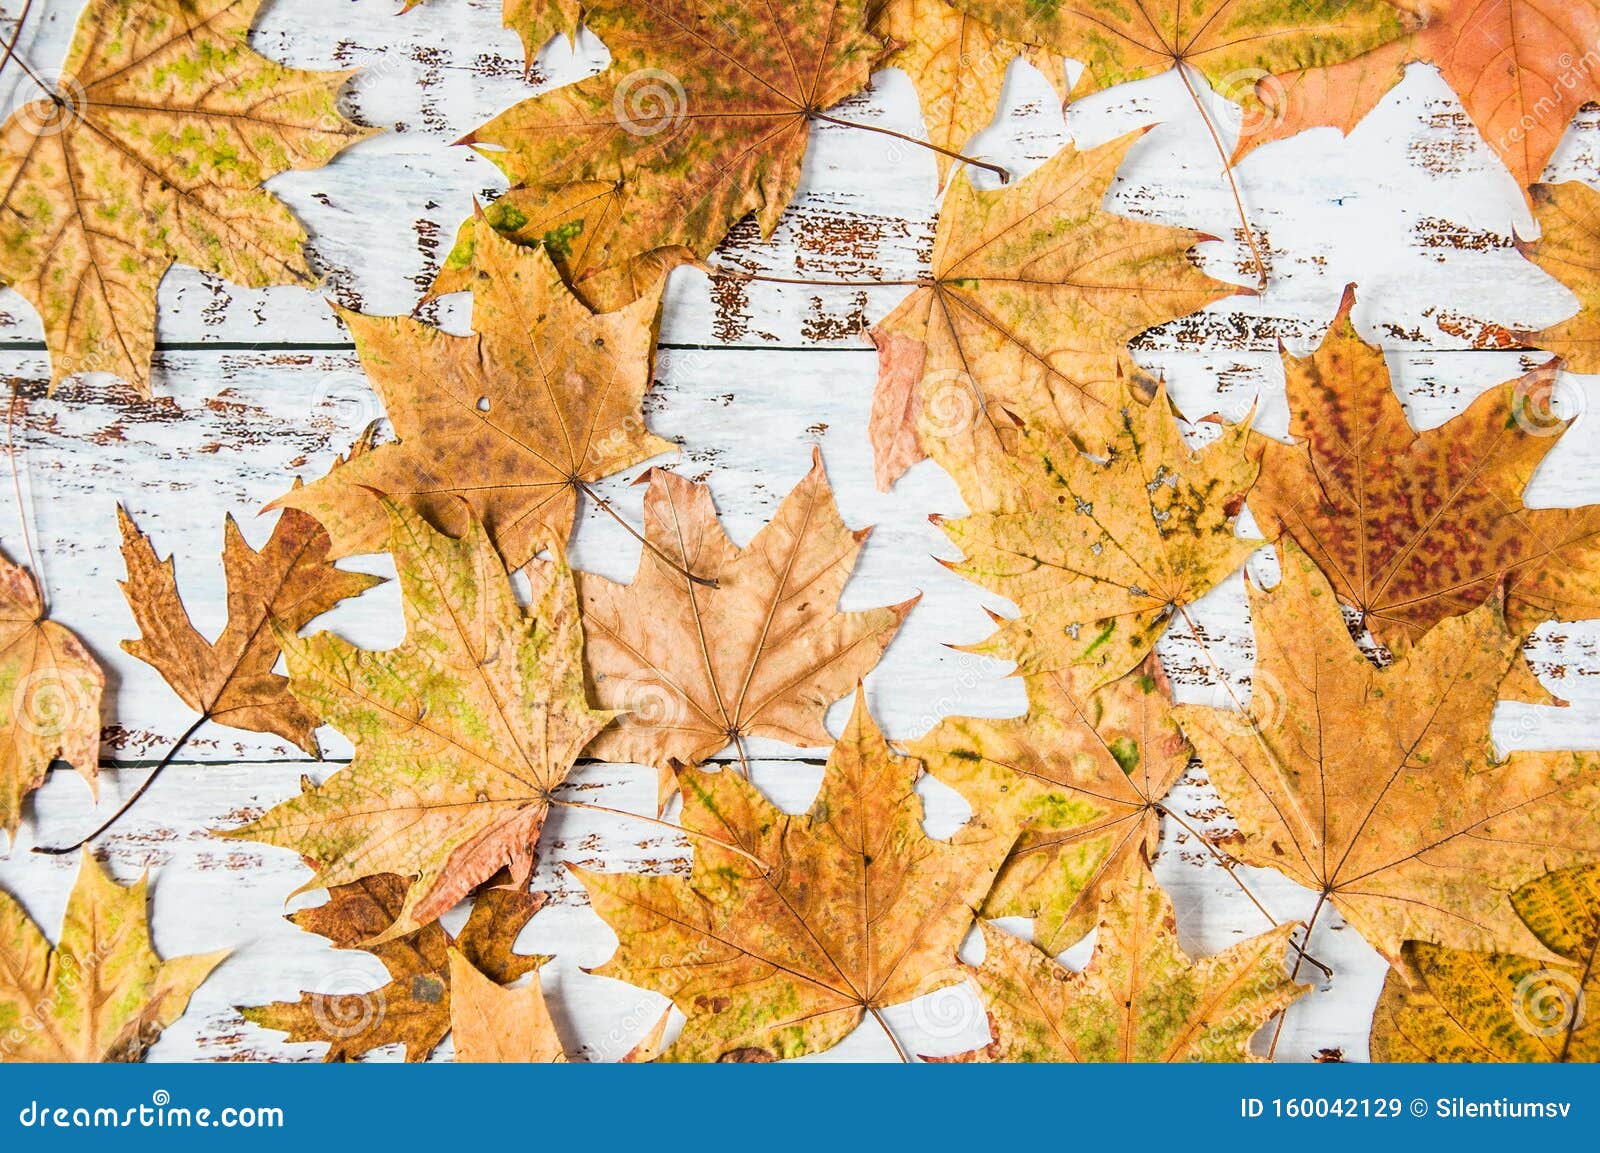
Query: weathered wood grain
x=254, y=387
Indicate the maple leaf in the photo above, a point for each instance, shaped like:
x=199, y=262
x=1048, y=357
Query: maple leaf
x=414, y=1008
x=150, y=151
x=506, y=426
x=1569, y=233
x=230, y=680
x=462, y=732
x=1083, y=774
x=854, y=909
x=1140, y=998
x=691, y=669
x=50, y=688
x=1225, y=40
x=1380, y=788
x=1450, y=1005
x=1098, y=554
x=1514, y=64
x=1413, y=528
x=957, y=65
x=102, y=994
x=702, y=117
x=1035, y=292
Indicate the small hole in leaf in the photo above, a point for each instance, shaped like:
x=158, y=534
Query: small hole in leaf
x=483, y=404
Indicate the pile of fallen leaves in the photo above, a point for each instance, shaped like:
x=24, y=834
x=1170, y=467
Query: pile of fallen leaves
x=1360, y=766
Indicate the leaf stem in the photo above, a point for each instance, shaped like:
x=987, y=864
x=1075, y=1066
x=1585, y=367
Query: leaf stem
x=583, y=487
x=58, y=850
x=889, y=1033
x=16, y=35
x=1272, y=1049
x=680, y=829
x=1227, y=173
x=1005, y=176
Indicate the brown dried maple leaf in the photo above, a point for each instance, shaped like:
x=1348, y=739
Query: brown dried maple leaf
x=414, y=1008
x=693, y=669
x=150, y=149
x=1412, y=527
x=852, y=908
x=230, y=680
x=1083, y=774
x=1522, y=68
x=1035, y=291
x=506, y=426
x=50, y=688
x=1380, y=789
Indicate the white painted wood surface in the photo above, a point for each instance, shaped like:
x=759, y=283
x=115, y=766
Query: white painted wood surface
x=254, y=387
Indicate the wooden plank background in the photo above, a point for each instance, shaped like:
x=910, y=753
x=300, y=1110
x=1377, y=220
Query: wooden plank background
x=253, y=387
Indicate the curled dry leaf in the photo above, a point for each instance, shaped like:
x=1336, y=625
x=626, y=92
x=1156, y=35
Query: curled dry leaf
x=1140, y=998
x=102, y=994
x=1035, y=292
x=415, y=1007
x=701, y=119
x=152, y=151
x=1099, y=554
x=504, y=426
x=1521, y=68
x=957, y=64
x=1229, y=42
x=462, y=732
x=1569, y=238
x=50, y=688
x=690, y=669
x=1450, y=1005
x=853, y=908
x=230, y=680
x=1413, y=528
x=1083, y=774
x=1380, y=788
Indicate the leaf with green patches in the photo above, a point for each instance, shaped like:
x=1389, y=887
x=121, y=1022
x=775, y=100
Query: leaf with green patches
x=167, y=124
x=1083, y=774
x=102, y=994
x=1450, y=1005
x=851, y=908
x=1100, y=554
x=702, y=118
x=1140, y=998
x=462, y=733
